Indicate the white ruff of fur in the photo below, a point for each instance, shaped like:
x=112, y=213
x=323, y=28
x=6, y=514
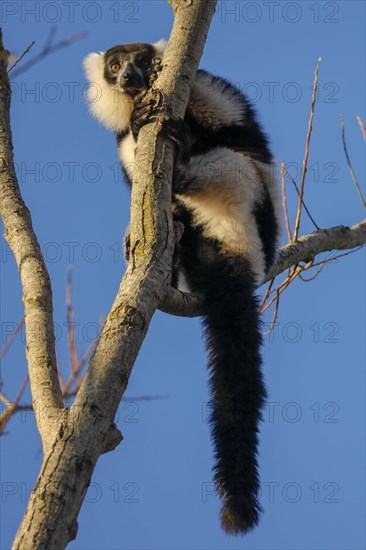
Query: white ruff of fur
x=222, y=201
x=110, y=106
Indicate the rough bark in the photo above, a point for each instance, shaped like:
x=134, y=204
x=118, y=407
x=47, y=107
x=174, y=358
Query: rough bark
x=324, y=240
x=82, y=433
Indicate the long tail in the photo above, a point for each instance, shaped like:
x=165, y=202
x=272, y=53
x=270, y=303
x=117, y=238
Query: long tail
x=233, y=339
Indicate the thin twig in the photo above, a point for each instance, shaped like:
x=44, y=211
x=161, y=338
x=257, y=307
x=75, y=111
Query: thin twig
x=303, y=202
x=66, y=387
x=359, y=120
x=353, y=175
x=50, y=37
x=284, y=200
x=306, y=156
x=47, y=50
x=21, y=57
x=74, y=360
x=60, y=377
x=266, y=294
x=12, y=407
x=293, y=273
x=5, y=400
x=275, y=315
x=11, y=339
x=318, y=271
x=334, y=258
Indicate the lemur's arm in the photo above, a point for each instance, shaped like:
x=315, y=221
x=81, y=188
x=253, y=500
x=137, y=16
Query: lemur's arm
x=145, y=111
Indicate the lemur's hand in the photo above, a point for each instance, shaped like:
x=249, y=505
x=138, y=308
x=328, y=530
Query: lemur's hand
x=146, y=108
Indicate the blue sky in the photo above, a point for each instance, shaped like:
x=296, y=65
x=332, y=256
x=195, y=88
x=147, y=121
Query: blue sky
x=155, y=490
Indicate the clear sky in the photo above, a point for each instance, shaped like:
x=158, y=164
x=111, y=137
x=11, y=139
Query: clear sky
x=154, y=491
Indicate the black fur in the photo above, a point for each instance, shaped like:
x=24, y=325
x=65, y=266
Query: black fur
x=267, y=226
x=225, y=279
x=246, y=137
x=232, y=333
x=231, y=323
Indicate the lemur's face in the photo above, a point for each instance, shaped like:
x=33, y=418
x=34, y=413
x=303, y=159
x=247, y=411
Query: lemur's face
x=128, y=67
x=116, y=77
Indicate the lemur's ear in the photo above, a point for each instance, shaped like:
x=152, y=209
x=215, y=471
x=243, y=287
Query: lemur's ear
x=94, y=66
x=160, y=46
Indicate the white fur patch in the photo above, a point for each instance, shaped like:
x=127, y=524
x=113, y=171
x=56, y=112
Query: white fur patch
x=214, y=105
x=110, y=106
x=160, y=47
x=222, y=201
x=127, y=149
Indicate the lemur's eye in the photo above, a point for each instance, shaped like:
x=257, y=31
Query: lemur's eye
x=115, y=67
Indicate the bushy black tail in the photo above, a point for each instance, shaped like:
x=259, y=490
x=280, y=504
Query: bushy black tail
x=233, y=339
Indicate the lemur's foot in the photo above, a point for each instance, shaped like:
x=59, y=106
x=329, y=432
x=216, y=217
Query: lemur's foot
x=178, y=131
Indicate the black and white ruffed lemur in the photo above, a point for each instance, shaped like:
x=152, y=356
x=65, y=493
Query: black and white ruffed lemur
x=225, y=193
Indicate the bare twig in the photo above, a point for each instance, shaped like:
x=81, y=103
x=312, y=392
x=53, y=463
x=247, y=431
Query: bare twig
x=70, y=324
x=353, y=175
x=315, y=275
x=48, y=49
x=12, y=407
x=21, y=57
x=266, y=295
x=303, y=202
x=284, y=200
x=337, y=256
x=275, y=314
x=5, y=400
x=306, y=156
x=359, y=120
x=76, y=370
x=11, y=339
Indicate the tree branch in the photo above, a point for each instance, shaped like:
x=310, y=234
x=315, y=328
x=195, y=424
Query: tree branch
x=324, y=240
x=304, y=249
x=37, y=294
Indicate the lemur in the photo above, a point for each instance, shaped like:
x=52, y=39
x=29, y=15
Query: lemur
x=225, y=193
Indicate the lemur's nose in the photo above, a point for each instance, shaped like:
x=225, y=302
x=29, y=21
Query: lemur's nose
x=128, y=73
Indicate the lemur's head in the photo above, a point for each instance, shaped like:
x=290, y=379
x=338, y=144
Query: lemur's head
x=116, y=76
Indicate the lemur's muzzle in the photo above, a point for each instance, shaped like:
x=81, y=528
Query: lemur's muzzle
x=130, y=79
